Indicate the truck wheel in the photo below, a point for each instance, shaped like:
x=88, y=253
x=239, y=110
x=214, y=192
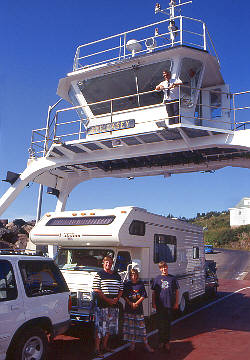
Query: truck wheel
x=31, y=344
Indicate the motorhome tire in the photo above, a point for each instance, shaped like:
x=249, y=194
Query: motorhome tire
x=183, y=304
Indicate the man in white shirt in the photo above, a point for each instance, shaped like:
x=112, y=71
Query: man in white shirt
x=170, y=90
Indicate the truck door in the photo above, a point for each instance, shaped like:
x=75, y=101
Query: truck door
x=11, y=305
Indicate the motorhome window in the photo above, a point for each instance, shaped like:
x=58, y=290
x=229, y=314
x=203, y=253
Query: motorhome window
x=82, y=259
x=137, y=227
x=78, y=221
x=123, y=259
x=190, y=77
x=8, y=289
x=215, y=103
x=196, y=252
x=41, y=278
x=165, y=248
x=122, y=84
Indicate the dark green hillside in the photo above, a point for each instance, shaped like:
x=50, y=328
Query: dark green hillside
x=217, y=230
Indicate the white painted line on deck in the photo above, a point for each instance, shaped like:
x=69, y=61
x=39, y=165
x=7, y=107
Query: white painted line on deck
x=241, y=275
x=120, y=348
x=208, y=305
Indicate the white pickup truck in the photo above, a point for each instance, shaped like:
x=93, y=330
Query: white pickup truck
x=34, y=304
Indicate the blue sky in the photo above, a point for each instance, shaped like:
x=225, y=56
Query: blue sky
x=38, y=41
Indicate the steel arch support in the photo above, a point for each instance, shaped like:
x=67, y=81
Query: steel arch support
x=35, y=168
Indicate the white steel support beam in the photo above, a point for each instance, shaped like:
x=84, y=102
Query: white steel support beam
x=67, y=185
x=51, y=171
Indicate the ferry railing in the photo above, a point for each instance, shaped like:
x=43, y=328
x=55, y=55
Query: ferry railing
x=162, y=34
x=54, y=132
x=42, y=138
x=240, y=110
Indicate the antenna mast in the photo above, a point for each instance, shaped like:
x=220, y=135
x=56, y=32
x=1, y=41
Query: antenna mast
x=171, y=9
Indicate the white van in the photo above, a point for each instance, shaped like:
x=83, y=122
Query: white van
x=133, y=237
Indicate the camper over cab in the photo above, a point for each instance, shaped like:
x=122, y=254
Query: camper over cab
x=134, y=238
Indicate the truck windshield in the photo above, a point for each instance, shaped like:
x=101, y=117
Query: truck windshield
x=82, y=259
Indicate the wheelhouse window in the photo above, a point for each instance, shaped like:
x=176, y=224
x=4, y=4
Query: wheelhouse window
x=190, y=77
x=215, y=103
x=137, y=227
x=165, y=248
x=82, y=259
x=127, y=83
x=8, y=289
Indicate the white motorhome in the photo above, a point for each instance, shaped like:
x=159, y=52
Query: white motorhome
x=133, y=237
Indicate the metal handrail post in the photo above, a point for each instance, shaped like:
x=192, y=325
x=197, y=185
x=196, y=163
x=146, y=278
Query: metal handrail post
x=55, y=127
x=111, y=110
x=80, y=129
x=50, y=108
x=39, y=203
x=179, y=105
x=124, y=45
x=234, y=112
x=32, y=139
x=181, y=29
x=47, y=132
x=204, y=37
x=76, y=61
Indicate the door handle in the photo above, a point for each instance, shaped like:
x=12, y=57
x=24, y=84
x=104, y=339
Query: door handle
x=15, y=307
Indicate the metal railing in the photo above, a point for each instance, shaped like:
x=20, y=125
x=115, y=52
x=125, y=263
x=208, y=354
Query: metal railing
x=240, y=110
x=54, y=132
x=161, y=35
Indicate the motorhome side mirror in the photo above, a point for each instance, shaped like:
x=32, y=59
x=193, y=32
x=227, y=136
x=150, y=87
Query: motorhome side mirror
x=136, y=264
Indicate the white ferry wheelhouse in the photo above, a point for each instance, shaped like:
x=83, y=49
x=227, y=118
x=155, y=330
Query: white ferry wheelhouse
x=119, y=125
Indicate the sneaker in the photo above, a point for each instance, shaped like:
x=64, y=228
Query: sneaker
x=132, y=347
x=98, y=354
x=148, y=348
x=167, y=346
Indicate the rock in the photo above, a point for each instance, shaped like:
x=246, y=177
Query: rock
x=5, y=245
x=22, y=241
x=3, y=222
x=15, y=233
x=26, y=229
x=7, y=235
x=19, y=222
x=12, y=227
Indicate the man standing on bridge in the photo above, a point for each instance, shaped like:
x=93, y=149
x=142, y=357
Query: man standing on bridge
x=165, y=298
